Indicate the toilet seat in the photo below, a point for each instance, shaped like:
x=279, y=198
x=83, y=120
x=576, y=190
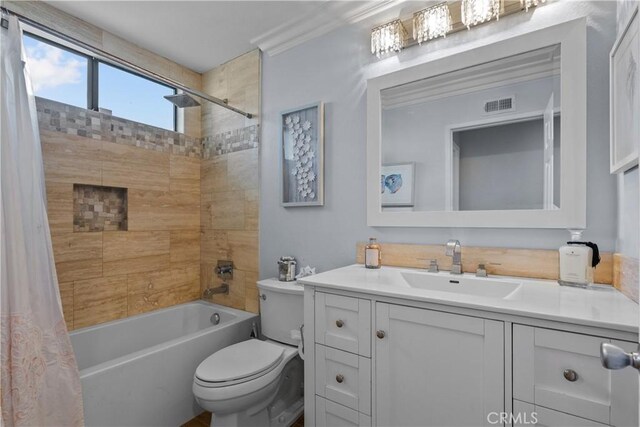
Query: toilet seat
x=239, y=363
x=222, y=390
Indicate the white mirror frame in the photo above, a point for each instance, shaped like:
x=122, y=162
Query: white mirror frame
x=571, y=36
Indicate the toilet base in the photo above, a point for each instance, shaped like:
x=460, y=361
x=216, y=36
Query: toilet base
x=261, y=419
x=277, y=405
x=243, y=419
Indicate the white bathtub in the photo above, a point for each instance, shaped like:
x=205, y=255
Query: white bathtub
x=139, y=371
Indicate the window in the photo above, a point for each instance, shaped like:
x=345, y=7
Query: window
x=135, y=98
x=56, y=72
x=68, y=76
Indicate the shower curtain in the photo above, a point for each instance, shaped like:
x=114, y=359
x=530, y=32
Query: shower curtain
x=40, y=381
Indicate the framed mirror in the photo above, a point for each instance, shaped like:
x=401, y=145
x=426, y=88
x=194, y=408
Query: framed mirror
x=490, y=137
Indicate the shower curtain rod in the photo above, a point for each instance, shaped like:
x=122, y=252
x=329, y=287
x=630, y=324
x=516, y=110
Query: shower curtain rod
x=115, y=60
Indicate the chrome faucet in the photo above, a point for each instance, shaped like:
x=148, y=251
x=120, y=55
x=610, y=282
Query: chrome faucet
x=454, y=250
x=209, y=292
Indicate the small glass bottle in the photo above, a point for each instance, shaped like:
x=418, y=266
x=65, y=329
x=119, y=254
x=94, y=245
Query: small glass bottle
x=372, y=254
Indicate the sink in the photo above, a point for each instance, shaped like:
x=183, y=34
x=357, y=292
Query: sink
x=464, y=285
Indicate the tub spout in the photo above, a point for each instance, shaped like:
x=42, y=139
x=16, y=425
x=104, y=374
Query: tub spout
x=222, y=289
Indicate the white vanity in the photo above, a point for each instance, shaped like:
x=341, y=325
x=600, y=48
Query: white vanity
x=404, y=347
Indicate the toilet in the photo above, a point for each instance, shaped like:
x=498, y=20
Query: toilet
x=255, y=382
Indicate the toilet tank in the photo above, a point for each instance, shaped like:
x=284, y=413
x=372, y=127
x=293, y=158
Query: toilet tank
x=281, y=309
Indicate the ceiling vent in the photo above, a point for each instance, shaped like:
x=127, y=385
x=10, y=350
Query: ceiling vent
x=500, y=105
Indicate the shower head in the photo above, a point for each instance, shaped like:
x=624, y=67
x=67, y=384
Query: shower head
x=182, y=100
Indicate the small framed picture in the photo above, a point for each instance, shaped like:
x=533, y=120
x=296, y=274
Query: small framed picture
x=302, y=156
x=625, y=97
x=396, y=185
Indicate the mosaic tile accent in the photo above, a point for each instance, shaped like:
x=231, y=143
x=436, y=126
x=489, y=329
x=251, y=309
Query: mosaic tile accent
x=56, y=116
x=232, y=141
x=99, y=208
x=626, y=278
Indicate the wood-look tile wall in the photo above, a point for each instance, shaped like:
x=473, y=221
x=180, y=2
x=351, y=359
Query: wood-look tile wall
x=112, y=274
x=534, y=263
x=626, y=275
x=230, y=182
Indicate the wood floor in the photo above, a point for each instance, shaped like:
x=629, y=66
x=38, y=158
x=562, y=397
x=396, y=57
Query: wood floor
x=204, y=420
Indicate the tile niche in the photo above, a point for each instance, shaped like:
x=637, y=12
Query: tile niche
x=97, y=208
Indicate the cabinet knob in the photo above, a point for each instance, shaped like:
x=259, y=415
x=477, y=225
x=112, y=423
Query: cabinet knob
x=340, y=378
x=570, y=375
x=380, y=334
x=339, y=323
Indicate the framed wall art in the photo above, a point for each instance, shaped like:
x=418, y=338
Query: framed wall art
x=302, y=156
x=396, y=185
x=625, y=97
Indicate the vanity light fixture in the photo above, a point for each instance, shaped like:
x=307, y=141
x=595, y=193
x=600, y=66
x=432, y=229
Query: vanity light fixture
x=474, y=12
x=432, y=22
x=530, y=3
x=388, y=37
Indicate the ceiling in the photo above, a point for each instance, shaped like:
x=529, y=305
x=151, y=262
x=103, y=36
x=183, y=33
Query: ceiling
x=203, y=34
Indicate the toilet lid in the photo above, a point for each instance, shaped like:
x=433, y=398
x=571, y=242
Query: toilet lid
x=241, y=360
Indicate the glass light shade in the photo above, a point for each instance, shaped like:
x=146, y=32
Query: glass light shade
x=387, y=38
x=474, y=12
x=530, y=3
x=431, y=22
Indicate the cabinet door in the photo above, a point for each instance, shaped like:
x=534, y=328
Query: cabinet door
x=436, y=369
x=343, y=323
x=344, y=378
x=543, y=357
x=330, y=414
x=527, y=414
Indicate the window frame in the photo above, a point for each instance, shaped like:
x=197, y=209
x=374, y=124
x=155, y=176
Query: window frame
x=93, y=76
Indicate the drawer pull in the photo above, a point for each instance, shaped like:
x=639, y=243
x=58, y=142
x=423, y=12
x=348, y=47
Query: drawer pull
x=570, y=375
x=380, y=334
x=339, y=323
x=339, y=378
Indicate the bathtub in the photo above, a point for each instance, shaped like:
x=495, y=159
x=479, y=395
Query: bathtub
x=139, y=371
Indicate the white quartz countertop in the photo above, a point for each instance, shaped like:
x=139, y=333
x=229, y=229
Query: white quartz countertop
x=597, y=306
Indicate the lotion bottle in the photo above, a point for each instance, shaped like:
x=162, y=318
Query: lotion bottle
x=372, y=254
x=577, y=261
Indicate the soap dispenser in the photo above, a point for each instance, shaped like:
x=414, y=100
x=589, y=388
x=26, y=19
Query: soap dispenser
x=577, y=261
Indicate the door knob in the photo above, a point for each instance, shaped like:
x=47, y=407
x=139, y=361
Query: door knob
x=339, y=378
x=613, y=357
x=339, y=323
x=380, y=334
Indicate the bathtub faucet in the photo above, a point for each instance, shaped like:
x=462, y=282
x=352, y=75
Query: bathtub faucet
x=222, y=289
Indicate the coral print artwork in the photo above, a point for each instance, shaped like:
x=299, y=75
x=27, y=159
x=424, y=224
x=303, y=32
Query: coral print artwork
x=302, y=156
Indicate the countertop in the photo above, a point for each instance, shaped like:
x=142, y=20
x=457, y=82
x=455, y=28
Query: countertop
x=597, y=306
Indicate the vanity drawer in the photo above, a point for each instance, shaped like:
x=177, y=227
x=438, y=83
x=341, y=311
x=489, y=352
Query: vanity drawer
x=562, y=371
x=527, y=414
x=330, y=414
x=344, y=378
x=343, y=322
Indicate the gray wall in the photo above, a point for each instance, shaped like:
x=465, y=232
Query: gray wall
x=501, y=167
x=334, y=69
x=416, y=133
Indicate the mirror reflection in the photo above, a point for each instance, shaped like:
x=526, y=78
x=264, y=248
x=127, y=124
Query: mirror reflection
x=481, y=138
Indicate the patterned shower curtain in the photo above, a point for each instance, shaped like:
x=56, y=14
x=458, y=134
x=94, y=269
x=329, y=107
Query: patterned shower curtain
x=40, y=383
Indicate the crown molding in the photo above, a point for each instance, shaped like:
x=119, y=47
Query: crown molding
x=325, y=18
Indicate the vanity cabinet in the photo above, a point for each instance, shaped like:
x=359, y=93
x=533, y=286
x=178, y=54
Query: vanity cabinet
x=381, y=361
x=562, y=371
x=427, y=362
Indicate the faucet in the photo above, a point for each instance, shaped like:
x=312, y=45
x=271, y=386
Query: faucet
x=222, y=289
x=454, y=250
